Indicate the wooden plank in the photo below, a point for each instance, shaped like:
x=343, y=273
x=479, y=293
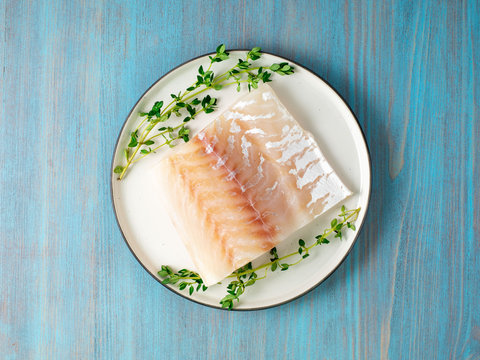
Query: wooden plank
x=71, y=72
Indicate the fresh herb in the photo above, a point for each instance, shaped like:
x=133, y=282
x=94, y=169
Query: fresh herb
x=247, y=275
x=188, y=104
x=186, y=279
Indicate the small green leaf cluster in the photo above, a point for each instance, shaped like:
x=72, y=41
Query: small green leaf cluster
x=254, y=54
x=303, y=249
x=182, y=277
x=282, y=68
x=237, y=287
x=220, y=55
x=275, y=261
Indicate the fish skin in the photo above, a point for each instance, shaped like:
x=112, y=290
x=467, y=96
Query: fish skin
x=244, y=183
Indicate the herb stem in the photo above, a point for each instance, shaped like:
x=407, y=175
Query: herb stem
x=353, y=216
x=198, y=92
x=130, y=160
x=216, y=80
x=141, y=123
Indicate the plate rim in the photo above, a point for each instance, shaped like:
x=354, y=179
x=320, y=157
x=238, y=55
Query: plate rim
x=313, y=287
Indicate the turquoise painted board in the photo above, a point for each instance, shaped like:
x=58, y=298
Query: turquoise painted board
x=71, y=71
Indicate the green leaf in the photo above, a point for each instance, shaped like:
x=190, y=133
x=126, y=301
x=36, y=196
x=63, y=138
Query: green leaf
x=301, y=242
x=156, y=109
x=243, y=64
x=162, y=273
x=229, y=297
x=218, y=87
x=266, y=77
x=126, y=153
x=149, y=142
x=195, y=101
x=274, y=67
x=220, y=49
x=133, y=142
x=118, y=169
x=200, y=70
x=333, y=223
x=227, y=304
x=206, y=100
x=190, y=110
x=254, y=54
x=183, y=131
x=190, y=290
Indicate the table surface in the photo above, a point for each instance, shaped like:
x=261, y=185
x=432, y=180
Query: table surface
x=72, y=70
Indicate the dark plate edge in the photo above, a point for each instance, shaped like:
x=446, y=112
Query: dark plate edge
x=261, y=307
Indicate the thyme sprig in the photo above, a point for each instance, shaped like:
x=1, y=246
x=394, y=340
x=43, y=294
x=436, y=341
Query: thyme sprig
x=191, y=102
x=186, y=278
x=247, y=275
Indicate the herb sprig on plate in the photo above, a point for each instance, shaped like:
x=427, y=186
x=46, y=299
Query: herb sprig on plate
x=247, y=275
x=188, y=104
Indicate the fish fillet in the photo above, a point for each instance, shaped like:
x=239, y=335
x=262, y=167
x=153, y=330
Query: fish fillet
x=244, y=183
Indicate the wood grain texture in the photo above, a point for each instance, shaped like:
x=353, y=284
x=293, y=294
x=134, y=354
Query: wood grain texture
x=71, y=71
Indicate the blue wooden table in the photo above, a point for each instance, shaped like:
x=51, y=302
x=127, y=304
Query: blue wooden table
x=71, y=71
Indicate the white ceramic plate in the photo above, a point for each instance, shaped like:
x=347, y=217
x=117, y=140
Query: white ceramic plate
x=319, y=109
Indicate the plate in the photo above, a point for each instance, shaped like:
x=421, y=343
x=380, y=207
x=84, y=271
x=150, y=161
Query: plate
x=153, y=240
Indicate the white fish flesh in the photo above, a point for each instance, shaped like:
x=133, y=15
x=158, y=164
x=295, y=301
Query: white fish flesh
x=245, y=183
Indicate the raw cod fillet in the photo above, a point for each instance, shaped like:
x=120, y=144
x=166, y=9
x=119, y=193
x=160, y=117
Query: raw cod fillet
x=246, y=182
